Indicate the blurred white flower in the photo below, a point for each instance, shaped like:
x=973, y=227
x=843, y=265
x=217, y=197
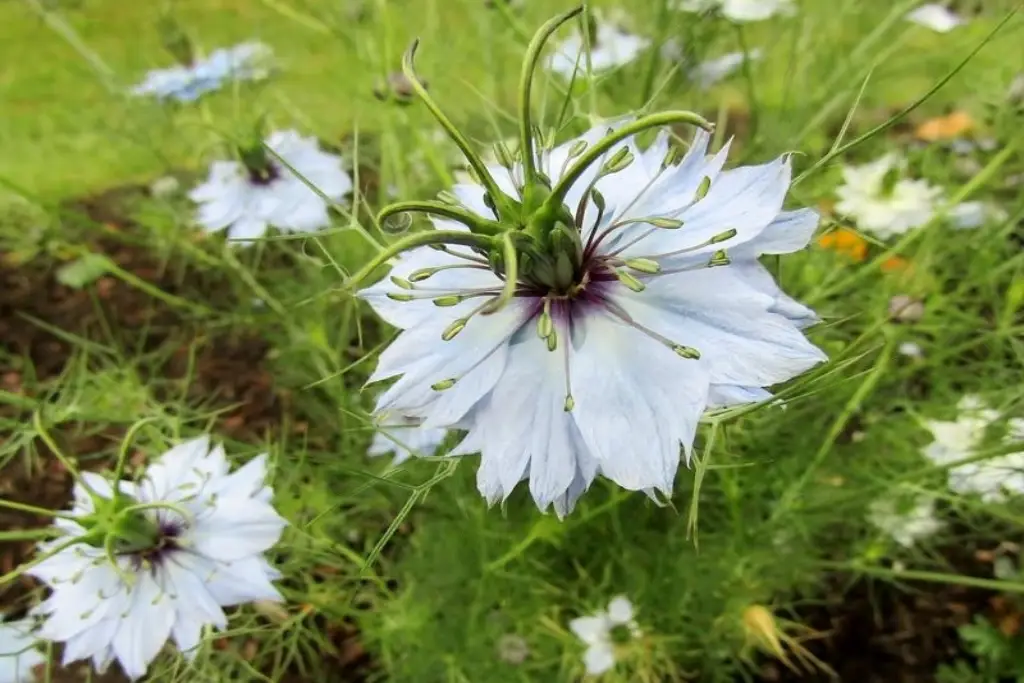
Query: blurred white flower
x=936, y=17
x=739, y=10
x=698, y=323
x=905, y=525
x=244, y=62
x=596, y=632
x=18, y=652
x=971, y=215
x=246, y=200
x=708, y=73
x=197, y=537
x=992, y=478
x=164, y=187
x=881, y=201
x=403, y=436
x=911, y=350
x=610, y=47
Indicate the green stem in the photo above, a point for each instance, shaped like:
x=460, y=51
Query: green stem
x=28, y=534
x=37, y=424
x=475, y=223
x=501, y=203
x=122, y=455
x=32, y=509
x=595, y=152
x=511, y=275
x=934, y=577
x=420, y=239
x=533, y=52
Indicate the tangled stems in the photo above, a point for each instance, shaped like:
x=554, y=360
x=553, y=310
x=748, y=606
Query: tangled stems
x=475, y=223
x=421, y=239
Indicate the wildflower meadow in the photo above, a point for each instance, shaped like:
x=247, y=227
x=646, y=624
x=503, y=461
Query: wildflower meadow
x=489, y=341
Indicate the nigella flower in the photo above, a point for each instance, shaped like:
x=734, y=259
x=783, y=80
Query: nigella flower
x=906, y=522
x=739, y=10
x=247, y=197
x=159, y=558
x=712, y=71
x=188, y=82
x=882, y=201
x=603, y=631
x=936, y=17
x=403, y=436
x=578, y=311
x=18, y=652
x=611, y=46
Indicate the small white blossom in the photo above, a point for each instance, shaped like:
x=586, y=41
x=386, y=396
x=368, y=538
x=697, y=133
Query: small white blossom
x=885, y=211
x=971, y=215
x=244, y=62
x=212, y=528
x=954, y=441
x=740, y=10
x=905, y=526
x=18, y=652
x=596, y=633
x=911, y=350
x=246, y=202
x=637, y=358
x=708, y=73
x=404, y=437
x=611, y=47
x=936, y=17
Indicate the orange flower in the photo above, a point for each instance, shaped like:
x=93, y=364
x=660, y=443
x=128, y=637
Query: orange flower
x=895, y=264
x=846, y=242
x=945, y=127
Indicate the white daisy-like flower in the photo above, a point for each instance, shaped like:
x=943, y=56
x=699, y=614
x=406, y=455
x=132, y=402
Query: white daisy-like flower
x=205, y=530
x=936, y=17
x=610, y=47
x=881, y=201
x=246, y=200
x=18, y=652
x=403, y=436
x=993, y=479
x=739, y=10
x=905, y=525
x=604, y=364
x=712, y=71
x=601, y=631
x=187, y=83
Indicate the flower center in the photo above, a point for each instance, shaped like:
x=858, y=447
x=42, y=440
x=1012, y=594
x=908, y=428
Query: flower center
x=263, y=175
x=167, y=541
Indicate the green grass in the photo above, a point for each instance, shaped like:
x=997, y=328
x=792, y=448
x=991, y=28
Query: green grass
x=777, y=498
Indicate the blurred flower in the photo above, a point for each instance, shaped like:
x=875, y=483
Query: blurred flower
x=187, y=83
x=881, y=201
x=513, y=649
x=846, y=242
x=187, y=540
x=18, y=653
x=1015, y=92
x=895, y=264
x=708, y=73
x=905, y=525
x=911, y=350
x=396, y=87
x=906, y=308
x=936, y=17
x=405, y=437
x=739, y=10
x=947, y=127
x=164, y=187
x=610, y=47
x=762, y=630
x=971, y=215
x=602, y=631
x=249, y=196
x=665, y=322
x=958, y=440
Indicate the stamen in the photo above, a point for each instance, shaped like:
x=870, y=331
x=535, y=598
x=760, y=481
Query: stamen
x=630, y=281
x=426, y=273
x=719, y=258
x=552, y=340
x=720, y=237
x=443, y=385
x=401, y=282
x=619, y=161
x=644, y=265
x=569, y=402
x=703, y=188
x=680, y=350
x=456, y=327
x=545, y=325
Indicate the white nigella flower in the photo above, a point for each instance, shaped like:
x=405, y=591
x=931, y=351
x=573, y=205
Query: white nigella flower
x=187, y=83
x=881, y=201
x=247, y=197
x=601, y=632
x=610, y=47
x=404, y=437
x=183, y=542
x=577, y=312
x=936, y=17
x=906, y=525
x=740, y=10
x=18, y=653
x=708, y=73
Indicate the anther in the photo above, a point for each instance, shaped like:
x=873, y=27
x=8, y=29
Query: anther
x=443, y=385
x=665, y=223
x=620, y=160
x=644, y=265
x=703, y=188
x=723, y=236
x=448, y=301
x=719, y=258
x=569, y=404
x=401, y=282
x=630, y=281
x=397, y=296
x=552, y=340
x=577, y=148
x=686, y=351
x=422, y=274
x=545, y=326
x=452, y=330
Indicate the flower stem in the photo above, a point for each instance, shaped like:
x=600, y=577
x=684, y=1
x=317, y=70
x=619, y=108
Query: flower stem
x=37, y=424
x=32, y=509
x=475, y=223
x=533, y=52
x=28, y=534
x=420, y=239
x=595, y=152
x=122, y=456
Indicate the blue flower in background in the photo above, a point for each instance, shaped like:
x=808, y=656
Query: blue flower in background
x=187, y=83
